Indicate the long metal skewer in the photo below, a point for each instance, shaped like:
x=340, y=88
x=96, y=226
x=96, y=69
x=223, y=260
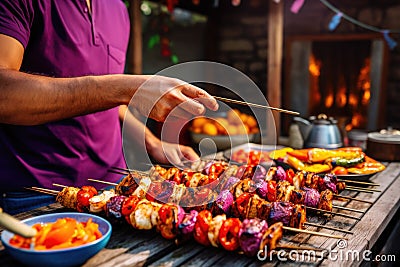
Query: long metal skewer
x=118, y=172
x=255, y=105
x=358, y=182
x=334, y=213
x=313, y=233
x=55, y=192
x=43, y=190
x=325, y=211
x=328, y=227
x=100, y=181
x=127, y=171
x=358, y=190
x=346, y=208
x=353, y=198
x=60, y=185
x=363, y=189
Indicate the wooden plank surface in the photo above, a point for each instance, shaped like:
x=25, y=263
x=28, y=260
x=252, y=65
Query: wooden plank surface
x=130, y=247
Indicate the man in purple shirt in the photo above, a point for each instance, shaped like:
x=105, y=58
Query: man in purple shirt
x=60, y=108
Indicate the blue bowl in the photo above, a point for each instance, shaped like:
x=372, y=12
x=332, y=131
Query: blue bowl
x=59, y=257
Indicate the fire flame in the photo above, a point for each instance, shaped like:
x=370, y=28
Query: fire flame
x=356, y=98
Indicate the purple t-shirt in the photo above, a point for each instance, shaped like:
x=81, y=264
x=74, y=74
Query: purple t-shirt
x=63, y=39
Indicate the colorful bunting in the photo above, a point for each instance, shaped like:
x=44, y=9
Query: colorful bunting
x=297, y=4
x=335, y=21
x=390, y=42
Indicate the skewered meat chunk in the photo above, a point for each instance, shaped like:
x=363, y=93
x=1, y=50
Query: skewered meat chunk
x=264, y=209
x=171, y=173
x=298, y=180
x=97, y=203
x=298, y=217
x=196, y=178
x=230, y=171
x=283, y=191
x=141, y=216
x=177, y=193
x=143, y=187
x=325, y=201
x=68, y=197
x=244, y=186
x=270, y=238
x=312, y=180
x=198, y=165
x=340, y=186
x=223, y=203
x=169, y=218
x=157, y=172
x=128, y=185
x=298, y=196
x=213, y=230
x=253, y=206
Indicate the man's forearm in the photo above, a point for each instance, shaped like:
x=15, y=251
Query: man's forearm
x=27, y=99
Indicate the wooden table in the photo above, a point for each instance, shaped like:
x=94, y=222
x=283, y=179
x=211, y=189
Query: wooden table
x=130, y=247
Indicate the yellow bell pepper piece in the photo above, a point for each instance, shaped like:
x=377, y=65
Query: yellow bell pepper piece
x=317, y=168
x=320, y=155
x=301, y=166
x=279, y=153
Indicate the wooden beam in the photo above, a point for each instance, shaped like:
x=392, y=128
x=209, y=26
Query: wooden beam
x=134, y=64
x=275, y=47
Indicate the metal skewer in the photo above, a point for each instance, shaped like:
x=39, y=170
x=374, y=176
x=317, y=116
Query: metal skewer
x=255, y=105
x=358, y=182
x=100, y=181
x=118, y=172
x=363, y=189
x=55, y=192
x=325, y=211
x=358, y=190
x=60, y=185
x=328, y=227
x=353, y=198
x=349, y=209
x=43, y=190
x=313, y=233
x=127, y=171
x=334, y=213
x=298, y=248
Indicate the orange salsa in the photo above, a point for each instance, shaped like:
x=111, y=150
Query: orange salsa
x=63, y=233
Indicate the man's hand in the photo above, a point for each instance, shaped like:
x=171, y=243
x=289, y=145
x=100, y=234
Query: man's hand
x=173, y=153
x=159, y=97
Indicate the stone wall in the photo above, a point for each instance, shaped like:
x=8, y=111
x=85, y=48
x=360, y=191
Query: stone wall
x=242, y=36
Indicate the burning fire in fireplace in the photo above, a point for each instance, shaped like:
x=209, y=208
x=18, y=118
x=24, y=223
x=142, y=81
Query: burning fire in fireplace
x=340, y=83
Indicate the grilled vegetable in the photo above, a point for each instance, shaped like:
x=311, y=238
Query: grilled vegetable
x=229, y=234
x=250, y=235
x=347, y=163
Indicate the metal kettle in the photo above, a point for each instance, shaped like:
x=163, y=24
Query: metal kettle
x=320, y=131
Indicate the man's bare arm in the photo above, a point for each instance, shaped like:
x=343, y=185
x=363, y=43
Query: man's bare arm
x=27, y=99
